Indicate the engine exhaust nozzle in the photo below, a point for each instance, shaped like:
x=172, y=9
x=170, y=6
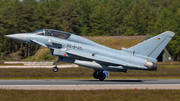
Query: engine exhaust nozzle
x=150, y=65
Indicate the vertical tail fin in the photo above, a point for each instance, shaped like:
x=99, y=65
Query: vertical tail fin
x=153, y=46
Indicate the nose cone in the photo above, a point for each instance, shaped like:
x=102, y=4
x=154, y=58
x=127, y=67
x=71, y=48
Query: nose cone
x=19, y=37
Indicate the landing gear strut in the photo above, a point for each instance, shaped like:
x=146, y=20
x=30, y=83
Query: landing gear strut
x=55, y=69
x=99, y=75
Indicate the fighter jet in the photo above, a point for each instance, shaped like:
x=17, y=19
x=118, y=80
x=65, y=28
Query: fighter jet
x=75, y=49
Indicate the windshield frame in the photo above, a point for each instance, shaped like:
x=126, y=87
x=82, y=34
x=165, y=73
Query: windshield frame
x=52, y=32
x=39, y=32
x=57, y=33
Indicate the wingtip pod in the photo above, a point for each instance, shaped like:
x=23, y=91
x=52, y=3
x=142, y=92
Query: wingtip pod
x=170, y=33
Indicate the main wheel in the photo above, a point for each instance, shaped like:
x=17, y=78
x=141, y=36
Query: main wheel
x=55, y=69
x=101, y=76
x=95, y=75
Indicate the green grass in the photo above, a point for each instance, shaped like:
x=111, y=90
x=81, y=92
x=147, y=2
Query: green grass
x=117, y=42
x=92, y=95
x=44, y=54
x=163, y=72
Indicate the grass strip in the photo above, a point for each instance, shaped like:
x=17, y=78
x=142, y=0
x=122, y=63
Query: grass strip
x=91, y=95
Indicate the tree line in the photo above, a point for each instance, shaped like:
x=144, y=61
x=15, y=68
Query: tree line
x=88, y=18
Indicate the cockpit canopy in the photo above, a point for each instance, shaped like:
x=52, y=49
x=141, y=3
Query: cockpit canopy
x=51, y=32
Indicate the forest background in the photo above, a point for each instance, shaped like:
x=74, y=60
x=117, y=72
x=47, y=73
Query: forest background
x=88, y=18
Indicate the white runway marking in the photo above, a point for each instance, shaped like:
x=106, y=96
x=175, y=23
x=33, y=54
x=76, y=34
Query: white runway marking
x=59, y=66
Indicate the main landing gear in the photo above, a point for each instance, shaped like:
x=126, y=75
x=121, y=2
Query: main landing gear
x=55, y=69
x=99, y=75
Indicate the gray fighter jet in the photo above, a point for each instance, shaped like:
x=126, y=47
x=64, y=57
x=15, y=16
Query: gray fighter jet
x=75, y=49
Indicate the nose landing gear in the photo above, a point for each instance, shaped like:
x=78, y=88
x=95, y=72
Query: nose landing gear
x=55, y=69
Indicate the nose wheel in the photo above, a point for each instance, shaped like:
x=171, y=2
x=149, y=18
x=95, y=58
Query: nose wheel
x=55, y=69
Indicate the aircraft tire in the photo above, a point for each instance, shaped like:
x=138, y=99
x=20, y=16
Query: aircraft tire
x=101, y=76
x=55, y=69
x=95, y=75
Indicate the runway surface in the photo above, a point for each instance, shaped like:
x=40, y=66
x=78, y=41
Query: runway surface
x=90, y=84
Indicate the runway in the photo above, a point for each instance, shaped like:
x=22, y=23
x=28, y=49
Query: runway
x=90, y=84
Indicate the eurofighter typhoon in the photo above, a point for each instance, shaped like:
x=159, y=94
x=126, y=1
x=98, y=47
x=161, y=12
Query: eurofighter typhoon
x=75, y=49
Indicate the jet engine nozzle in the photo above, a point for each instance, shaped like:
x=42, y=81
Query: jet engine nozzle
x=150, y=65
x=19, y=37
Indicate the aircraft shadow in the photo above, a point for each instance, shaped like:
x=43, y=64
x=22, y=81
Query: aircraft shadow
x=120, y=80
x=123, y=80
x=113, y=80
